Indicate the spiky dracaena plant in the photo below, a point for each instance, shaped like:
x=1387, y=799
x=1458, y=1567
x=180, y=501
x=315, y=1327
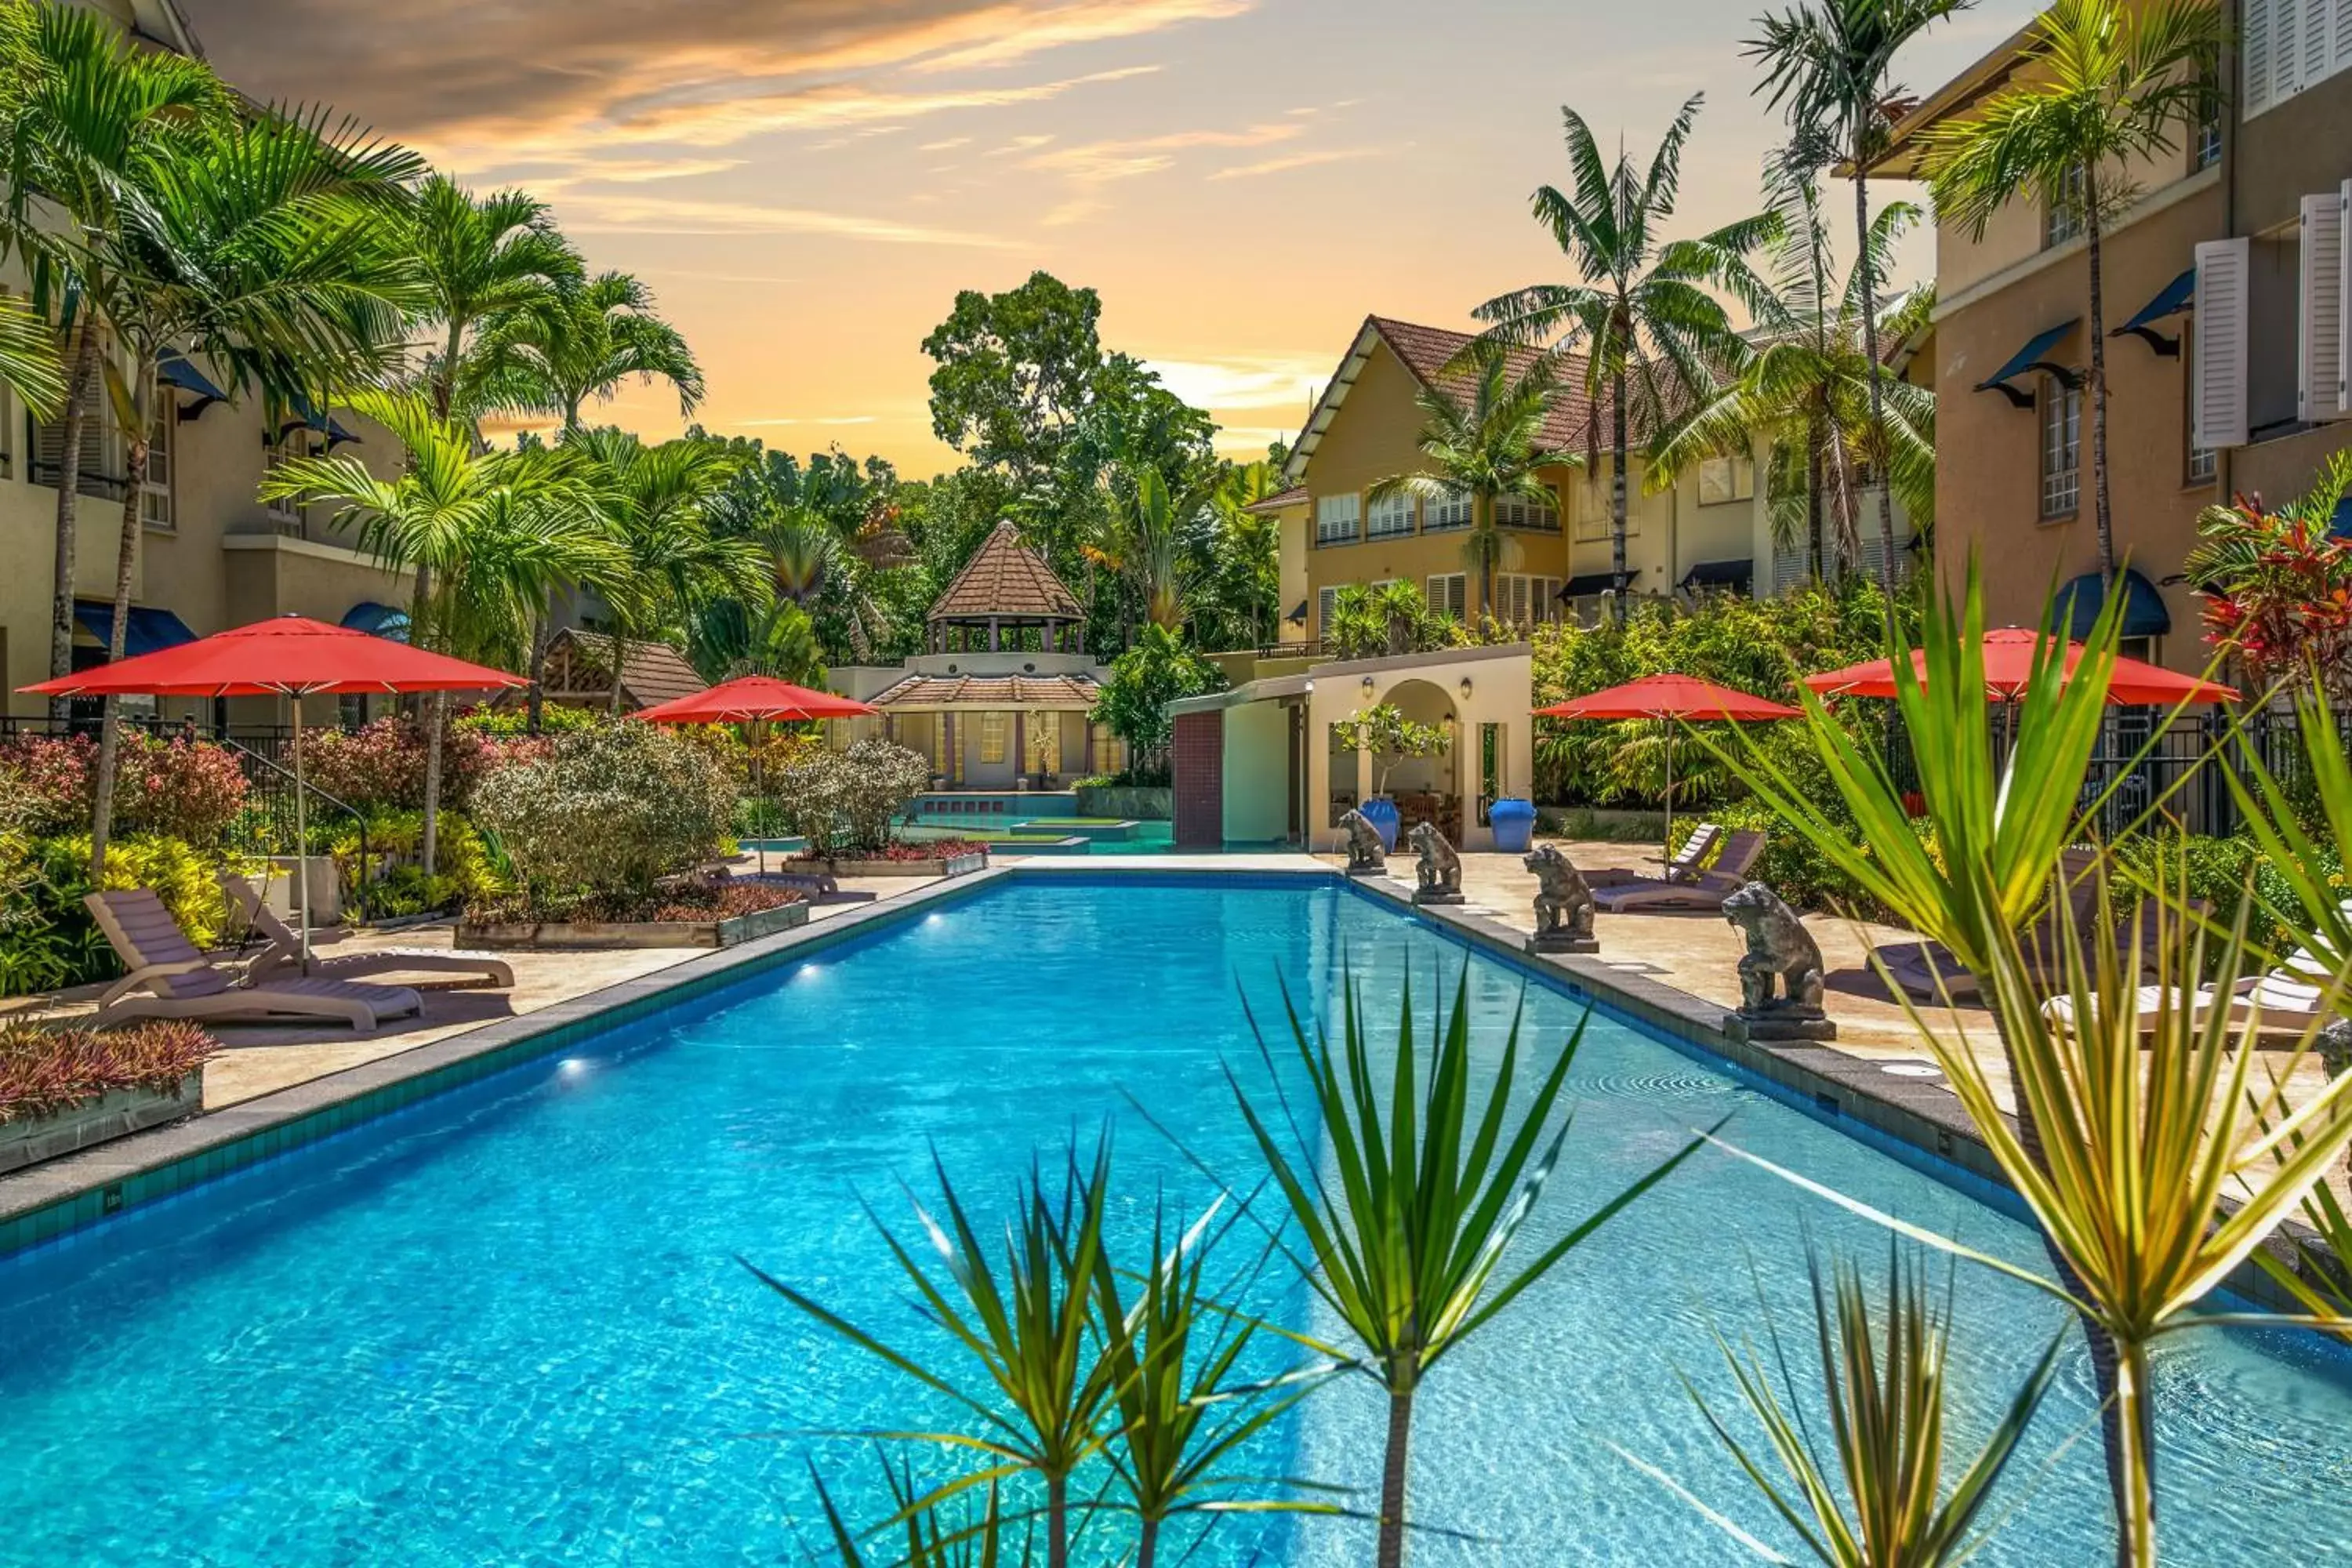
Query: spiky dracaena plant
x=1408, y=1249
x=932, y=1537
x=1879, y=1499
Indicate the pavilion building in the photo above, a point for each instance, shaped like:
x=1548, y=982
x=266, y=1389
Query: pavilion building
x=999, y=699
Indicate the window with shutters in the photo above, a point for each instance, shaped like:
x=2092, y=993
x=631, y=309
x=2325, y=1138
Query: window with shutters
x=1445, y=511
x=2289, y=47
x=1327, y=602
x=1722, y=481
x=1449, y=594
x=1335, y=518
x=284, y=512
x=1390, y=517
x=2062, y=447
x=995, y=728
x=1527, y=513
x=100, y=474
x=155, y=484
x=2319, y=307
x=1521, y=600
x=2217, y=358
x=2061, y=220
x=1592, y=500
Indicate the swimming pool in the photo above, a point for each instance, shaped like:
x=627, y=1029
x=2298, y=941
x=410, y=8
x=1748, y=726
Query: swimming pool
x=507, y=1326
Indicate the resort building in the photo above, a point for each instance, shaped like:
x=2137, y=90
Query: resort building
x=999, y=699
x=579, y=674
x=209, y=555
x=2224, y=296
x=1710, y=530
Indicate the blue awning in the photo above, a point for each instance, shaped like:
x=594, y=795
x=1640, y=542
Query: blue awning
x=1297, y=615
x=1586, y=585
x=1720, y=574
x=307, y=416
x=149, y=631
x=378, y=620
x=2079, y=601
x=173, y=369
x=2341, y=524
x=2170, y=301
x=2033, y=356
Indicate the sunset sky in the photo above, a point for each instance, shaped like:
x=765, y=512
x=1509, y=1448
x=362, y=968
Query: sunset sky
x=807, y=183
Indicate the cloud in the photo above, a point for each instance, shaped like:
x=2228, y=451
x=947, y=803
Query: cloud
x=1091, y=167
x=829, y=419
x=458, y=76
x=944, y=145
x=1244, y=381
x=605, y=212
x=1293, y=160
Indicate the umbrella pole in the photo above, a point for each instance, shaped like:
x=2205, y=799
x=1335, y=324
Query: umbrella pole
x=302, y=836
x=1669, y=850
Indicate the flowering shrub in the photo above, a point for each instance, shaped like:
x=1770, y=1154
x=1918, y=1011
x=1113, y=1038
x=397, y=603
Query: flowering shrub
x=47, y=779
x=908, y=850
x=726, y=900
x=607, y=814
x=44, y=1071
x=189, y=789
x=2278, y=585
x=382, y=764
x=839, y=800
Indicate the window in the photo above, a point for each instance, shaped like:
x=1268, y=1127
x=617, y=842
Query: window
x=1450, y=510
x=2288, y=46
x=97, y=442
x=1327, y=601
x=992, y=731
x=155, y=484
x=1724, y=479
x=1449, y=594
x=284, y=512
x=2063, y=220
x=1591, y=498
x=2205, y=146
x=1524, y=601
x=1336, y=517
x=1526, y=513
x=2061, y=413
x=1389, y=516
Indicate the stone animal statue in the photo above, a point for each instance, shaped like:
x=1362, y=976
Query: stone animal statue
x=1365, y=851
x=1782, y=954
x=1440, y=871
x=1564, y=904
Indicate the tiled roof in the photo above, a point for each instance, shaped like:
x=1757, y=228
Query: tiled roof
x=1294, y=496
x=990, y=691
x=651, y=672
x=1006, y=580
x=1575, y=419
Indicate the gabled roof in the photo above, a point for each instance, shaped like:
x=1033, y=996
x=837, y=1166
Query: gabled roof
x=998, y=692
x=1425, y=351
x=651, y=672
x=1294, y=496
x=1006, y=580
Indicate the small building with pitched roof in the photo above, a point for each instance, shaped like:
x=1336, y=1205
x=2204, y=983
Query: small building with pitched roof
x=1000, y=697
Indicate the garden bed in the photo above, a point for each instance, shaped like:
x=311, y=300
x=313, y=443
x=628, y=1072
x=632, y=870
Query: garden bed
x=606, y=936
x=64, y=1090
x=960, y=858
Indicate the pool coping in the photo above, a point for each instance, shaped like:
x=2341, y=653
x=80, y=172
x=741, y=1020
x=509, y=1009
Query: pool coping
x=1919, y=1122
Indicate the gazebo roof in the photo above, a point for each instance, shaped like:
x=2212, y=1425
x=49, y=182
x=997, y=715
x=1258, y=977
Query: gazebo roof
x=1005, y=581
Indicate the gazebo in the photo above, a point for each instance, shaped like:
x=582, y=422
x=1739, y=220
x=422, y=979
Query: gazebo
x=1005, y=592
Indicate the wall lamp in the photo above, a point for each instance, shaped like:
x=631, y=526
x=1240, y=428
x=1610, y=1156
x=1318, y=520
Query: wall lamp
x=1466, y=688
x=1369, y=684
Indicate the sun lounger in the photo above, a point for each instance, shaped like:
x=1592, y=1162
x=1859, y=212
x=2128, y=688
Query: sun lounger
x=169, y=978
x=1928, y=971
x=1705, y=891
x=2289, y=999
x=283, y=951
x=1681, y=866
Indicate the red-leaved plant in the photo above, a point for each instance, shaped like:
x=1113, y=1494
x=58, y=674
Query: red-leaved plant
x=2278, y=584
x=44, y=1070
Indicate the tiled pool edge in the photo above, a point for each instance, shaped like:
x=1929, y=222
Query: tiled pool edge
x=43, y=1203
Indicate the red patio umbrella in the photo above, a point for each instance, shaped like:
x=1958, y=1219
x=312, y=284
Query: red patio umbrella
x=290, y=655
x=1669, y=697
x=2009, y=655
x=753, y=697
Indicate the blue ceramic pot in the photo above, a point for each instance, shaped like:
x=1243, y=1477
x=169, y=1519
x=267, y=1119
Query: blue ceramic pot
x=1513, y=822
x=1381, y=813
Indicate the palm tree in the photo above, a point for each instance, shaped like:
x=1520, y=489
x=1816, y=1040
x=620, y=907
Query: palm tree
x=82, y=112
x=654, y=499
x=266, y=243
x=1135, y=533
x=2100, y=88
x=1489, y=449
x=1249, y=547
x=493, y=530
x=1809, y=389
x=557, y=349
x=482, y=256
x=1828, y=67
x=1405, y=1236
x=1652, y=337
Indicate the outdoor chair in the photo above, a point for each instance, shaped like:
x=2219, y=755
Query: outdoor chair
x=1928, y=971
x=1703, y=890
x=1681, y=866
x=169, y=978
x=283, y=951
x=2298, y=994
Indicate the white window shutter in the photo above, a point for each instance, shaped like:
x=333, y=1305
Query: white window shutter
x=2318, y=41
x=2343, y=56
x=2344, y=281
x=2319, y=333
x=2287, y=49
x=2220, y=400
x=2254, y=54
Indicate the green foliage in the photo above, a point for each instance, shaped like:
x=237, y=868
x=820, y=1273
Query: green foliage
x=514, y=724
x=848, y=800
x=47, y=939
x=1391, y=738
x=607, y=814
x=1159, y=670
x=463, y=876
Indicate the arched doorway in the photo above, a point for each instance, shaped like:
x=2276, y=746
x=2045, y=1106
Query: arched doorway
x=1426, y=788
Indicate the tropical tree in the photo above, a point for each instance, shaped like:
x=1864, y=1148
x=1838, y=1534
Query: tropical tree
x=492, y=531
x=654, y=499
x=1406, y=1214
x=267, y=245
x=86, y=113
x=1809, y=390
x=1490, y=447
x=483, y=258
x=2100, y=88
x=1652, y=335
x=1246, y=560
x=1828, y=65
x=1159, y=670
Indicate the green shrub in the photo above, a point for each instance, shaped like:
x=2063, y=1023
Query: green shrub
x=608, y=812
x=848, y=800
x=514, y=723
x=463, y=876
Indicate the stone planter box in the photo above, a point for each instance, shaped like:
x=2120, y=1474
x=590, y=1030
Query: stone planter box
x=114, y=1114
x=849, y=866
x=605, y=936
x=1140, y=803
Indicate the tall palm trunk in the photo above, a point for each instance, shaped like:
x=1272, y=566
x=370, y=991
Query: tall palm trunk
x=2100, y=512
x=1814, y=541
x=535, y=707
x=118, y=636
x=430, y=710
x=1880, y=447
x=1617, y=492
x=1403, y=1381
x=68, y=477
x=616, y=668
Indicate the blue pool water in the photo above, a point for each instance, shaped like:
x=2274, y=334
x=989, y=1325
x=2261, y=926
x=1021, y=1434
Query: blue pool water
x=507, y=1326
